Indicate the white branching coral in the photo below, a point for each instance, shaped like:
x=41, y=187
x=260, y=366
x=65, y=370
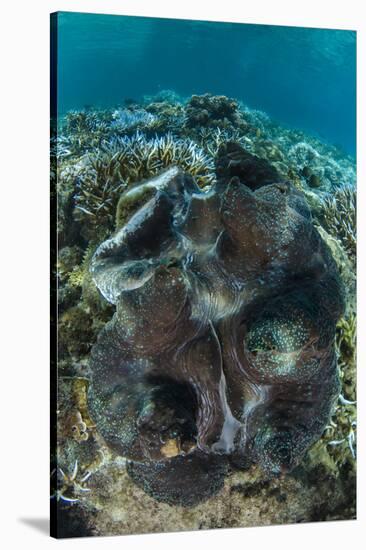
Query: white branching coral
x=211, y=139
x=70, y=488
x=339, y=217
x=123, y=161
x=126, y=119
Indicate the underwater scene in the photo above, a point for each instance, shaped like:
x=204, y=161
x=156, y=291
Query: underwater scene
x=203, y=190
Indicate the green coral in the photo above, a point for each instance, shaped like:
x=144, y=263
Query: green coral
x=76, y=277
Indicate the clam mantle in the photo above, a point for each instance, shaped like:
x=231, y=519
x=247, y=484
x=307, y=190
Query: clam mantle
x=221, y=350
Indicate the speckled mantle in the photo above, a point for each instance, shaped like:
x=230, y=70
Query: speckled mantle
x=221, y=350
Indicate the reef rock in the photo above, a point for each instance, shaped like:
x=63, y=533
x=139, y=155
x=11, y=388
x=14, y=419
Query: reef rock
x=221, y=349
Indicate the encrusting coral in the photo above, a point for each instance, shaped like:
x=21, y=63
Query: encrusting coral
x=128, y=160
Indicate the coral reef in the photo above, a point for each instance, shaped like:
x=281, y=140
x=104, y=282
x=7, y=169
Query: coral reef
x=88, y=173
x=131, y=119
x=168, y=117
x=82, y=131
x=98, y=188
x=339, y=217
x=221, y=333
x=318, y=170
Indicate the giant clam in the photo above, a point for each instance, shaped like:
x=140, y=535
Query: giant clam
x=221, y=349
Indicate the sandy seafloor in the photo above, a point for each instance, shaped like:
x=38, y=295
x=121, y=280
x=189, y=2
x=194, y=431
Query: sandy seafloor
x=93, y=494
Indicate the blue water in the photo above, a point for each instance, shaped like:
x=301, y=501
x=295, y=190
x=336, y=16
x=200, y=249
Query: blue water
x=303, y=78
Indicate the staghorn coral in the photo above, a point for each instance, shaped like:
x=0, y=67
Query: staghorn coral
x=70, y=488
x=131, y=119
x=223, y=328
x=98, y=187
x=339, y=436
x=339, y=217
x=125, y=161
x=81, y=131
x=143, y=157
x=81, y=122
x=210, y=139
x=346, y=353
